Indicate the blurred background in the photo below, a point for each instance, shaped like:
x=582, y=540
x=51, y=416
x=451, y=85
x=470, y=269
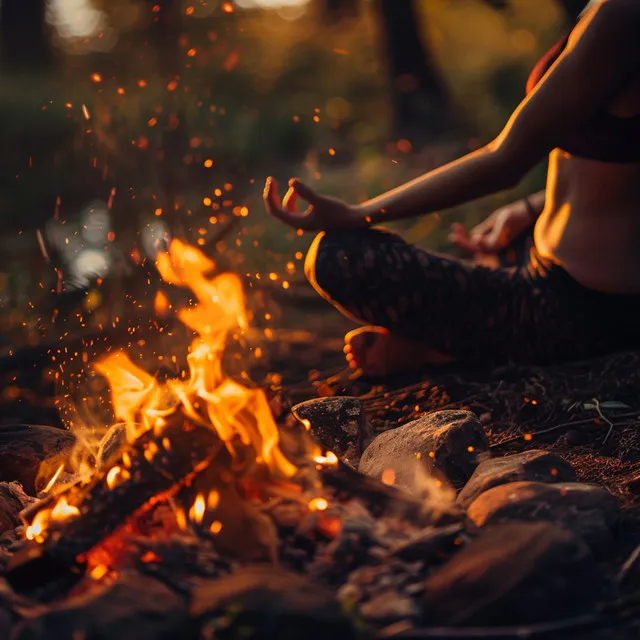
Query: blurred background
x=127, y=122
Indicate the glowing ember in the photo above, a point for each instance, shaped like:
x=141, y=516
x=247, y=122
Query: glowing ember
x=99, y=572
x=112, y=476
x=318, y=504
x=329, y=459
x=196, y=513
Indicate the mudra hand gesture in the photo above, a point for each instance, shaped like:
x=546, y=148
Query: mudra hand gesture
x=495, y=233
x=323, y=212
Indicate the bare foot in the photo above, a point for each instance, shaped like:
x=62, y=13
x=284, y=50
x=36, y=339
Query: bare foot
x=379, y=353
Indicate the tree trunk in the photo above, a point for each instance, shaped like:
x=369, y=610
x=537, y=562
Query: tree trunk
x=573, y=8
x=333, y=11
x=24, y=42
x=422, y=108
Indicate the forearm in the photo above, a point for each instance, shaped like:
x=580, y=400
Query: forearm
x=475, y=175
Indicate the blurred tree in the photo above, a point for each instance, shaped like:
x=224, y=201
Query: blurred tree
x=422, y=106
x=572, y=8
x=166, y=161
x=25, y=45
x=333, y=11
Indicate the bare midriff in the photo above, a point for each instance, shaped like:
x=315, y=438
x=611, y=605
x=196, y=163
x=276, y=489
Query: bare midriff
x=591, y=222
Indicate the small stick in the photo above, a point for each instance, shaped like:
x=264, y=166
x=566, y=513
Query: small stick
x=631, y=563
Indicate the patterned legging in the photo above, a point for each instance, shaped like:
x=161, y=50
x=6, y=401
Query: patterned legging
x=533, y=314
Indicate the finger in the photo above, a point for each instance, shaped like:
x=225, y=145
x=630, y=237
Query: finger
x=483, y=228
x=290, y=201
x=494, y=240
x=460, y=238
x=304, y=191
x=466, y=244
x=272, y=202
x=274, y=207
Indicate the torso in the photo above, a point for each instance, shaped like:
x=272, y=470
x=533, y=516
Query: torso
x=591, y=221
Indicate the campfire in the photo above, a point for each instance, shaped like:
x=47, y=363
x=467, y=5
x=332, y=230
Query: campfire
x=201, y=429
x=206, y=496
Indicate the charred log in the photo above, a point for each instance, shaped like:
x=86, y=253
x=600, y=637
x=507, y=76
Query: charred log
x=103, y=509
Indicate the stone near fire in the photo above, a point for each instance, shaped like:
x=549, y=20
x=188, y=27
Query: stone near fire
x=451, y=441
x=339, y=424
x=518, y=573
x=13, y=500
x=264, y=602
x=589, y=511
x=534, y=465
x=23, y=448
x=135, y=607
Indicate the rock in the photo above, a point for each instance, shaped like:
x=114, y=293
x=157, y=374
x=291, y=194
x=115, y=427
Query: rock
x=389, y=607
x=538, y=466
x=517, y=573
x=110, y=444
x=133, y=608
x=589, y=511
x=24, y=448
x=12, y=501
x=432, y=545
x=451, y=441
x=261, y=602
x=339, y=424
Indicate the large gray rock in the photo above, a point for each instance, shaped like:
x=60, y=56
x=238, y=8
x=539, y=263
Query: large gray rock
x=589, y=511
x=135, y=607
x=25, y=448
x=516, y=573
x=450, y=441
x=536, y=466
x=269, y=603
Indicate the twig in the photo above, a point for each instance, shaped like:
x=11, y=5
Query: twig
x=596, y=405
x=628, y=566
x=558, y=427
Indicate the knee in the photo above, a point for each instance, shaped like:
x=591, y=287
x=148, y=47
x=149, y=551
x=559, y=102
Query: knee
x=335, y=256
x=322, y=258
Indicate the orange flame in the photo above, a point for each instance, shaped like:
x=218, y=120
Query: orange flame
x=63, y=510
x=205, y=395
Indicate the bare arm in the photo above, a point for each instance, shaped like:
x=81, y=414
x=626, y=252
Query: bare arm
x=601, y=57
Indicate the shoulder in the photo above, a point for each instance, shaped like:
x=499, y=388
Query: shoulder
x=607, y=23
x=614, y=10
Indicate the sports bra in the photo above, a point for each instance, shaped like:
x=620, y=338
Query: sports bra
x=606, y=138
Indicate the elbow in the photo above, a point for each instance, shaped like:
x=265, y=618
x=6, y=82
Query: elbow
x=510, y=165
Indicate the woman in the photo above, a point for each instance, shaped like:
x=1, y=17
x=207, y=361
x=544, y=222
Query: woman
x=579, y=294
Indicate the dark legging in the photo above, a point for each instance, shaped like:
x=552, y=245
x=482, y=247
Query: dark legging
x=531, y=314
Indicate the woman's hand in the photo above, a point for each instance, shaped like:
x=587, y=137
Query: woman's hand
x=501, y=228
x=323, y=213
